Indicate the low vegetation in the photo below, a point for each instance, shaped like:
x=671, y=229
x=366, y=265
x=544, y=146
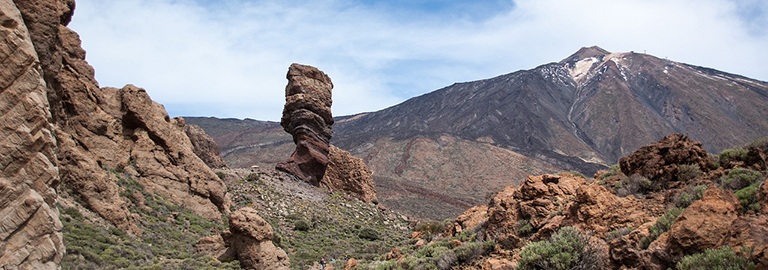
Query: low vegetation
x=440, y=254
x=319, y=226
x=169, y=233
x=745, y=184
x=715, y=259
x=566, y=249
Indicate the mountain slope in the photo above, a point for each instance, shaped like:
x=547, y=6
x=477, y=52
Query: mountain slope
x=435, y=154
x=573, y=108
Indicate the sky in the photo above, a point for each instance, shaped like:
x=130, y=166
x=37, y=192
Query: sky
x=229, y=58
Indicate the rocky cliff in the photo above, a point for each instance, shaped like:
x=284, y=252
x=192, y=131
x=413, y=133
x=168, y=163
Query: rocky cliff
x=61, y=132
x=30, y=230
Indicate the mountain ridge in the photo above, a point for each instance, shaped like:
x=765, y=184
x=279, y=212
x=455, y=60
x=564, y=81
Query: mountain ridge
x=581, y=113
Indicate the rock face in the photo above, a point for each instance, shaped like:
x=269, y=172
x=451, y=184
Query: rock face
x=204, y=146
x=102, y=132
x=30, y=230
x=545, y=203
x=660, y=160
x=349, y=174
x=704, y=224
x=307, y=117
x=251, y=239
x=103, y=138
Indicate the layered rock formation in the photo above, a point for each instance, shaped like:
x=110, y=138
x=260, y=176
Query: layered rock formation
x=349, y=174
x=103, y=139
x=307, y=117
x=30, y=230
x=250, y=238
x=204, y=146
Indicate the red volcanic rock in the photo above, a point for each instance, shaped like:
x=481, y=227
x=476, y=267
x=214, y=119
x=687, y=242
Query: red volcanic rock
x=704, y=224
x=659, y=161
x=307, y=117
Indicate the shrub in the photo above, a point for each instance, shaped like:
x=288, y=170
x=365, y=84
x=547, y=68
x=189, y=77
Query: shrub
x=634, y=185
x=748, y=197
x=524, y=227
x=663, y=224
x=686, y=198
x=252, y=177
x=612, y=170
x=759, y=143
x=221, y=175
x=73, y=213
x=739, y=178
x=368, y=234
x=446, y=260
x=617, y=233
x=728, y=155
x=719, y=259
x=688, y=172
x=431, y=227
x=301, y=225
x=566, y=249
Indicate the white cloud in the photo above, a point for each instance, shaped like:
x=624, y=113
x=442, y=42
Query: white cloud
x=230, y=59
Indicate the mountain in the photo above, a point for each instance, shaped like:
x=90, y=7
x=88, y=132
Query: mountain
x=590, y=108
x=446, y=150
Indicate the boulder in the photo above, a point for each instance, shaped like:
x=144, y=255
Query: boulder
x=348, y=174
x=250, y=238
x=307, y=117
x=705, y=224
x=470, y=219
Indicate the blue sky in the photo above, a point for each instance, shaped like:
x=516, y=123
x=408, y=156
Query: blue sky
x=229, y=58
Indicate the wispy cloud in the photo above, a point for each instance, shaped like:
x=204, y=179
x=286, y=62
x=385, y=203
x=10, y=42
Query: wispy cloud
x=229, y=58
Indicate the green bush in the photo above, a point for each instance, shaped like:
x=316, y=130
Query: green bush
x=566, y=249
x=221, y=175
x=663, y=224
x=368, y=234
x=301, y=225
x=252, y=177
x=739, y=178
x=686, y=198
x=733, y=155
x=524, y=227
x=688, y=172
x=748, y=198
x=715, y=259
x=760, y=144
